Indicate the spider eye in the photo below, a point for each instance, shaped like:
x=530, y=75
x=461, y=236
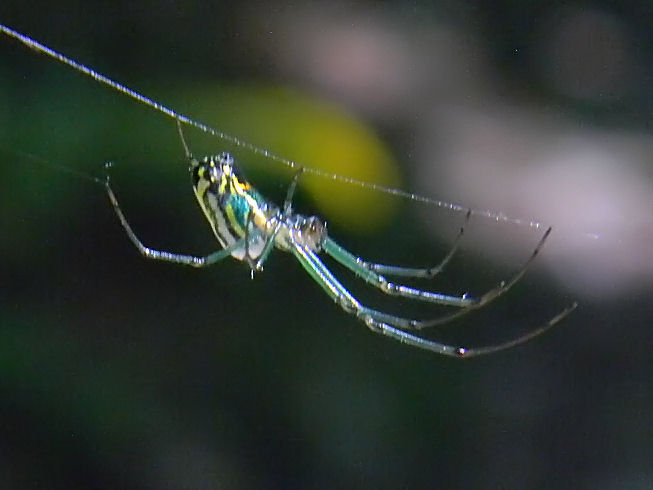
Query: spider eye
x=225, y=158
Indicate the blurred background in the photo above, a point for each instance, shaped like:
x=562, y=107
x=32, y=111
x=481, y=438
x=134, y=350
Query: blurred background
x=116, y=372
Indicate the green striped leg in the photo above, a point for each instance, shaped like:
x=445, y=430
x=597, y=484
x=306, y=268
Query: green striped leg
x=453, y=351
x=151, y=253
x=424, y=273
x=393, y=326
x=467, y=304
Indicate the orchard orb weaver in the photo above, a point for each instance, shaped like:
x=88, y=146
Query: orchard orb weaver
x=248, y=227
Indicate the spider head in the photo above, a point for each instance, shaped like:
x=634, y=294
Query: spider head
x=311, y=232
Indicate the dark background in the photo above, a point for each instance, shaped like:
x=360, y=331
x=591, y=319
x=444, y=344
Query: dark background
x=116, y=372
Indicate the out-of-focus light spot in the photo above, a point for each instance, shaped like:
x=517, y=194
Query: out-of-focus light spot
x=381, y=65
x=590, y=185
x=313, y=133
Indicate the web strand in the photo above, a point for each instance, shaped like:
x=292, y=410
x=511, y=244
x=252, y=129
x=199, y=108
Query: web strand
x=98, y=77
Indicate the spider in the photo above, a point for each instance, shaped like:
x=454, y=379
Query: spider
x=249, y=227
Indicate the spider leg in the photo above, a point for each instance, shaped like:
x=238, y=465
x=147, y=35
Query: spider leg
x=419, y=272
x=290, y=192
x=254, y=265
x=467, y=304
x=460, y=352
x=189, y=155
x=393, y=326
x=350, y=261
x=280, y=218
x=151, y=253
x=492, y=294
x=354, y=264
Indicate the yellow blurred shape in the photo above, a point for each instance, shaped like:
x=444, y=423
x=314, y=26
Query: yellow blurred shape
x=313, y=133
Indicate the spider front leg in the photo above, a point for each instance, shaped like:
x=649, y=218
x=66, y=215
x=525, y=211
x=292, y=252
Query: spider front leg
x=459, y=351
x=419, y=272
x=165, y=256
x=466, y=303
x=493, y=293
x=360, y=268
x=290, y=192
x=394, y=326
